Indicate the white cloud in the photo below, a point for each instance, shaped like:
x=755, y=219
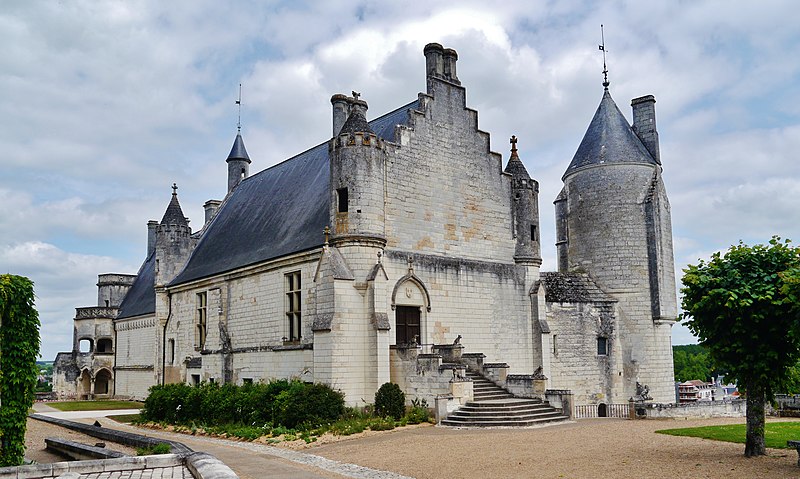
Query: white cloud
x=107, y=103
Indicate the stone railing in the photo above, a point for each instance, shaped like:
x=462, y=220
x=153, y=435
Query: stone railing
x=93, y=312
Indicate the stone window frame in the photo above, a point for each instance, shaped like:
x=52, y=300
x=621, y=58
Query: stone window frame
x=201, y=320
x=293, y=306
x=602, y=346
x=171, y=351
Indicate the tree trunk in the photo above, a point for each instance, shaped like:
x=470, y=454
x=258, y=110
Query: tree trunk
x=756, y=419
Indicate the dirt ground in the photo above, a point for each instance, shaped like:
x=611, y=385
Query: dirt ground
x=589, y=448
x=37, y=432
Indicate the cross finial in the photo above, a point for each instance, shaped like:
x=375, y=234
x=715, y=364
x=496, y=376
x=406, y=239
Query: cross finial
x=513, y=142
x=327, y=233
x=603, y=49
x=410, y=264
x=380, y=254
x=239, y=104
x=174, y=189
x=356, y=94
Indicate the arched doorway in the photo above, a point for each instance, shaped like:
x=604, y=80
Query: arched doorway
x=102, y=382
x=85, y=382
x=602, y=410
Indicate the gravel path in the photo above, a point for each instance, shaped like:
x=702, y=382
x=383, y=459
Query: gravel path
x=589, y=448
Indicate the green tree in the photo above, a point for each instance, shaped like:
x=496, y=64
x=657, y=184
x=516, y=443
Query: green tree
x=744, y=306
x=19, y=348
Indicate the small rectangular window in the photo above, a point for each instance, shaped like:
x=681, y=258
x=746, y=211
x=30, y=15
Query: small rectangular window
x=195, y=379
x=247, y=380
x=171, y=351
x=602, y=346
x=201, y=321
x=534, y=233
x=212, y=380
x=555, y=345
x=293, y=306
x=342, y=200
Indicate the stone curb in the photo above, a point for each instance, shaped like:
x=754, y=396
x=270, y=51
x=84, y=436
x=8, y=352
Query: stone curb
x=206, y=466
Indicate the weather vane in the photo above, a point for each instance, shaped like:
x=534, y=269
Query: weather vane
x=239, y=103
x=603, y=49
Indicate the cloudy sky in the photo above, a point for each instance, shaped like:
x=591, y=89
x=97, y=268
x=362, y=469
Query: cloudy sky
x=104, y=104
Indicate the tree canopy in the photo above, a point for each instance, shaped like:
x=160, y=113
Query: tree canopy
x=19, y=348
x=744, y=306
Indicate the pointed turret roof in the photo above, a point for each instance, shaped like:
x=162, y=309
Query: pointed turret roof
x=609, y=139
x=174, y=213
x=356, y=122
x=238, y=152
x=515, y=167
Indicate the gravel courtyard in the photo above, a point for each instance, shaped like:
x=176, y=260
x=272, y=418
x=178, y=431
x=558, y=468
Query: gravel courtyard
x=589, y=448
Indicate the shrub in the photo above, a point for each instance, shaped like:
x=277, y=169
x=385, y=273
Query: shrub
x=308, y=404
x=160, y=448
x=381, y=424
x=390, y=401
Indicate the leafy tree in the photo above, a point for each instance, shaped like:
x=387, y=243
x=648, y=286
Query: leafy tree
x=745, y=309
x=19, y=347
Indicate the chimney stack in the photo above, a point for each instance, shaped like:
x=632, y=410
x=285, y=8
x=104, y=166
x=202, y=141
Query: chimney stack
x=340, y=112
x=151, y=236
x=434, y=61
x=211, y=207
x=449, y=59
x=644, y=124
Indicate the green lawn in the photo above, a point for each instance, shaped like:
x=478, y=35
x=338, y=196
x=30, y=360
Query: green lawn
x=125, y=418
x=776, y=435
x=94, y=405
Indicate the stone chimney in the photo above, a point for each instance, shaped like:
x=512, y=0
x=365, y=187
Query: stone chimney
x=211, y=207
x=434, y=61
x=644, y=124
x=151, y=236
x=449, y=57
x=341, y=110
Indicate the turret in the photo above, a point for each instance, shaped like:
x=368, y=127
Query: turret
x=613, y=222
x=358, y=159
x=174, y=241
x=238, y=163
x=525, y=197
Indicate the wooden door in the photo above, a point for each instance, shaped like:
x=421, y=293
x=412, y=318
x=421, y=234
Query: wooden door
x=407, y=324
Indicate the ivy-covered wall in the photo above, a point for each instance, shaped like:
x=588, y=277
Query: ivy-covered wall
x=19, y=348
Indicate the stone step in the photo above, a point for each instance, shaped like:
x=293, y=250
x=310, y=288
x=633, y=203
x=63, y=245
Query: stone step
x=492, y=395
x=504, y=423
x=510, y=409
x=526, y=416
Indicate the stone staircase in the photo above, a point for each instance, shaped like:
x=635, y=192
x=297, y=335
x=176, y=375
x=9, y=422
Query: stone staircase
x=493, y=406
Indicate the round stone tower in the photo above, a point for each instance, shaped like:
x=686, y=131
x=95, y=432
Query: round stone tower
x=613, y=222
x=358, y=160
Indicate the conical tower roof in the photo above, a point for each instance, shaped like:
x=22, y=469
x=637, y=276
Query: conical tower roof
x=609, y=139
x=515, y=167
x=174, y=214
x=238, y=152
x=356, y=122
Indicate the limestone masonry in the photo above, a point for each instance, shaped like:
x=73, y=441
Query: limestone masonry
x=384, y=252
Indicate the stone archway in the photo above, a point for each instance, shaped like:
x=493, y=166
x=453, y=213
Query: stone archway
x=602, y=410
x=85, y=384
x=103, y=381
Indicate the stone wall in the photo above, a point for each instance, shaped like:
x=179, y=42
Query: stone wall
x=737, y=408
x=135, y=356
x=574, y=360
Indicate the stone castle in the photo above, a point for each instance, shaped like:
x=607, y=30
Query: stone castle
x=402, y=250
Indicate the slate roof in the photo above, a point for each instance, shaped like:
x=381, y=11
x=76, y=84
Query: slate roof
x=515, y=167
x=276, y=212
x=572, y=288
x=356, y=123
x=609, y=139
x=141, y=298
x=174, y=214
x=238, y=151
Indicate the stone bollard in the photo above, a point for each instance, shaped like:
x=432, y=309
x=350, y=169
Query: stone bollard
x=440, y=407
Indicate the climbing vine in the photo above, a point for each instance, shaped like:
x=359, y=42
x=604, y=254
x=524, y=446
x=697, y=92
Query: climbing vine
x=19, y=348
